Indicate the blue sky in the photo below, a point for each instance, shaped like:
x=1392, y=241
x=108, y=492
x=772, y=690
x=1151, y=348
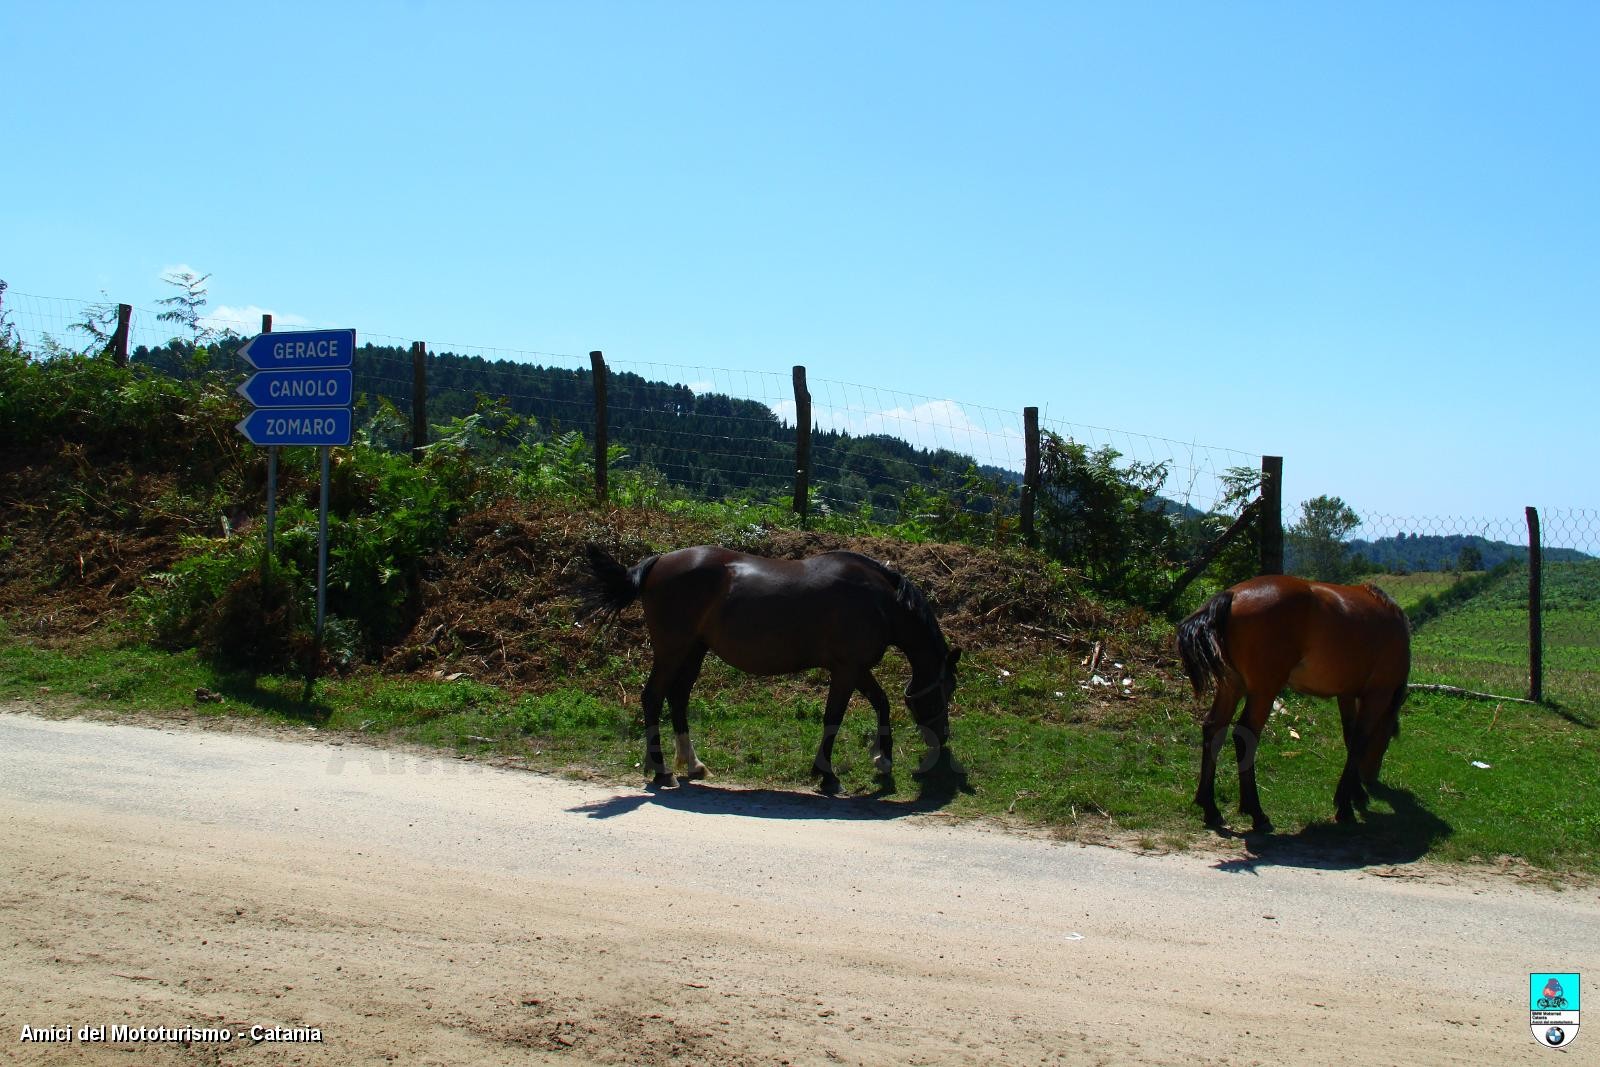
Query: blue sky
x=1361, y=236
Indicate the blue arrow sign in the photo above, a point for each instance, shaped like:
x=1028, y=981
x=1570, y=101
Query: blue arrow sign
x=297, y=426
x=300, y=350
x=299, y=388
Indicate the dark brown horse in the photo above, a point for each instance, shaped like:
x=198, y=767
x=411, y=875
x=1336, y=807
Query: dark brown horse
x=1351, y=642
x=839, y=611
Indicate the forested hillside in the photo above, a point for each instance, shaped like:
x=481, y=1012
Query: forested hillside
x=710, y=445
x=1429, y=552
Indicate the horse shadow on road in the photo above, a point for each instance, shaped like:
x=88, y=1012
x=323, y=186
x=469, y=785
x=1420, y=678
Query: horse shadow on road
x=937, y=790
x=1404, y=834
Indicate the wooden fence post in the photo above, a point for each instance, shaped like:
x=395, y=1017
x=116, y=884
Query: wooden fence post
x=419, y=399
x=119, y=340
x=1030, y=474
x=802, y=445
x=597, y=364
x=1271, y=514
x=1209, y=553
x=1535, y=609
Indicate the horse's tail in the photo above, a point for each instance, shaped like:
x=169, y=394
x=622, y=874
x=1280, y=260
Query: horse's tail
x=1394, y=708
x=611, y=586
x=1201, y=644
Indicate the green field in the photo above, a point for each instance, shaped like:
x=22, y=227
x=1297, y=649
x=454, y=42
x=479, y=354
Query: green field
x=1409, y=589
x=1483, y=644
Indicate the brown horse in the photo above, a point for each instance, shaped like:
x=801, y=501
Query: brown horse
x=839, y=611
x=1344, y=641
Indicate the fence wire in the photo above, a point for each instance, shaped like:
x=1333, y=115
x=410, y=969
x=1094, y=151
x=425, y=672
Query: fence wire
x=1419, y=542
x=1196, y=474
x=1469, y=588
x=741, y=432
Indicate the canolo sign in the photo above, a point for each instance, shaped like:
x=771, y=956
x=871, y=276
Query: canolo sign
x=299, y=388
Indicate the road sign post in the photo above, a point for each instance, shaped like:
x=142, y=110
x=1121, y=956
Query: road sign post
x=302, y=390
x=271, y=558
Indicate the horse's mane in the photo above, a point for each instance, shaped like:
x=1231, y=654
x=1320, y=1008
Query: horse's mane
x=1381, y=597
x=912, y=599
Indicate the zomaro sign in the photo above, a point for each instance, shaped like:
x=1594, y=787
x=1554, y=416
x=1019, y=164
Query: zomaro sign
x=297, y=426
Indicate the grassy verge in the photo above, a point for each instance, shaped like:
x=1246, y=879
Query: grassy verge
x=1482, y=644
x=1409, y=590
x=1039, y=748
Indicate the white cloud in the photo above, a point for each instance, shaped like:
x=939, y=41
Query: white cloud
x=930, y=425
x=247, y=319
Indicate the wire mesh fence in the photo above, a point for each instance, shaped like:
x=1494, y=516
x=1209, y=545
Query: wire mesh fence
x=52, y=324
x=1407, y=543
x=1196, y=476
x=717, y=430
x=1491, y=616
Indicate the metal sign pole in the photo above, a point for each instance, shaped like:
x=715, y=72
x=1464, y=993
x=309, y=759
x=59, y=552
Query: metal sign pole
x=272, y=495
x=315, y=661
x=322, y=549
x=272, y=472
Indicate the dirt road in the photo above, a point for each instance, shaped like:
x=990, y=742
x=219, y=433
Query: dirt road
x=423, y=910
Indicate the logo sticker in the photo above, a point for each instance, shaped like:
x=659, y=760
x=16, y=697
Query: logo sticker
x=1553, y=1007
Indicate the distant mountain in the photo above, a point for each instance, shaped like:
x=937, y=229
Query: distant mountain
x=1434, y=552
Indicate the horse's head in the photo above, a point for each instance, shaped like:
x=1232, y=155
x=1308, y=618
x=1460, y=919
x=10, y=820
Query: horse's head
x=930, y=704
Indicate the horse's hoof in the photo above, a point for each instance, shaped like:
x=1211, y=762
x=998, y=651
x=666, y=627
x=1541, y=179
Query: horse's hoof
x=884, y=764
x=1345, y=814
x=664, y=780
x=1214, y=818
x=829, y=786
x=1263, y=825
x=697, y=773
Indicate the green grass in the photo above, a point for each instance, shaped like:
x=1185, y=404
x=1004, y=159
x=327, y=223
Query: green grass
x=1483, y=644
x=1410, y=589
x=1037, y=747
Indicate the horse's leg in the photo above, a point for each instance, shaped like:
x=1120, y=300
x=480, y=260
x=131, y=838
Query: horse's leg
x=655, y=688
x=839, y=690
x=1350, y=791
x=882, y=747
x=1246, y=738
x=678, y=700
x=1211, y=739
